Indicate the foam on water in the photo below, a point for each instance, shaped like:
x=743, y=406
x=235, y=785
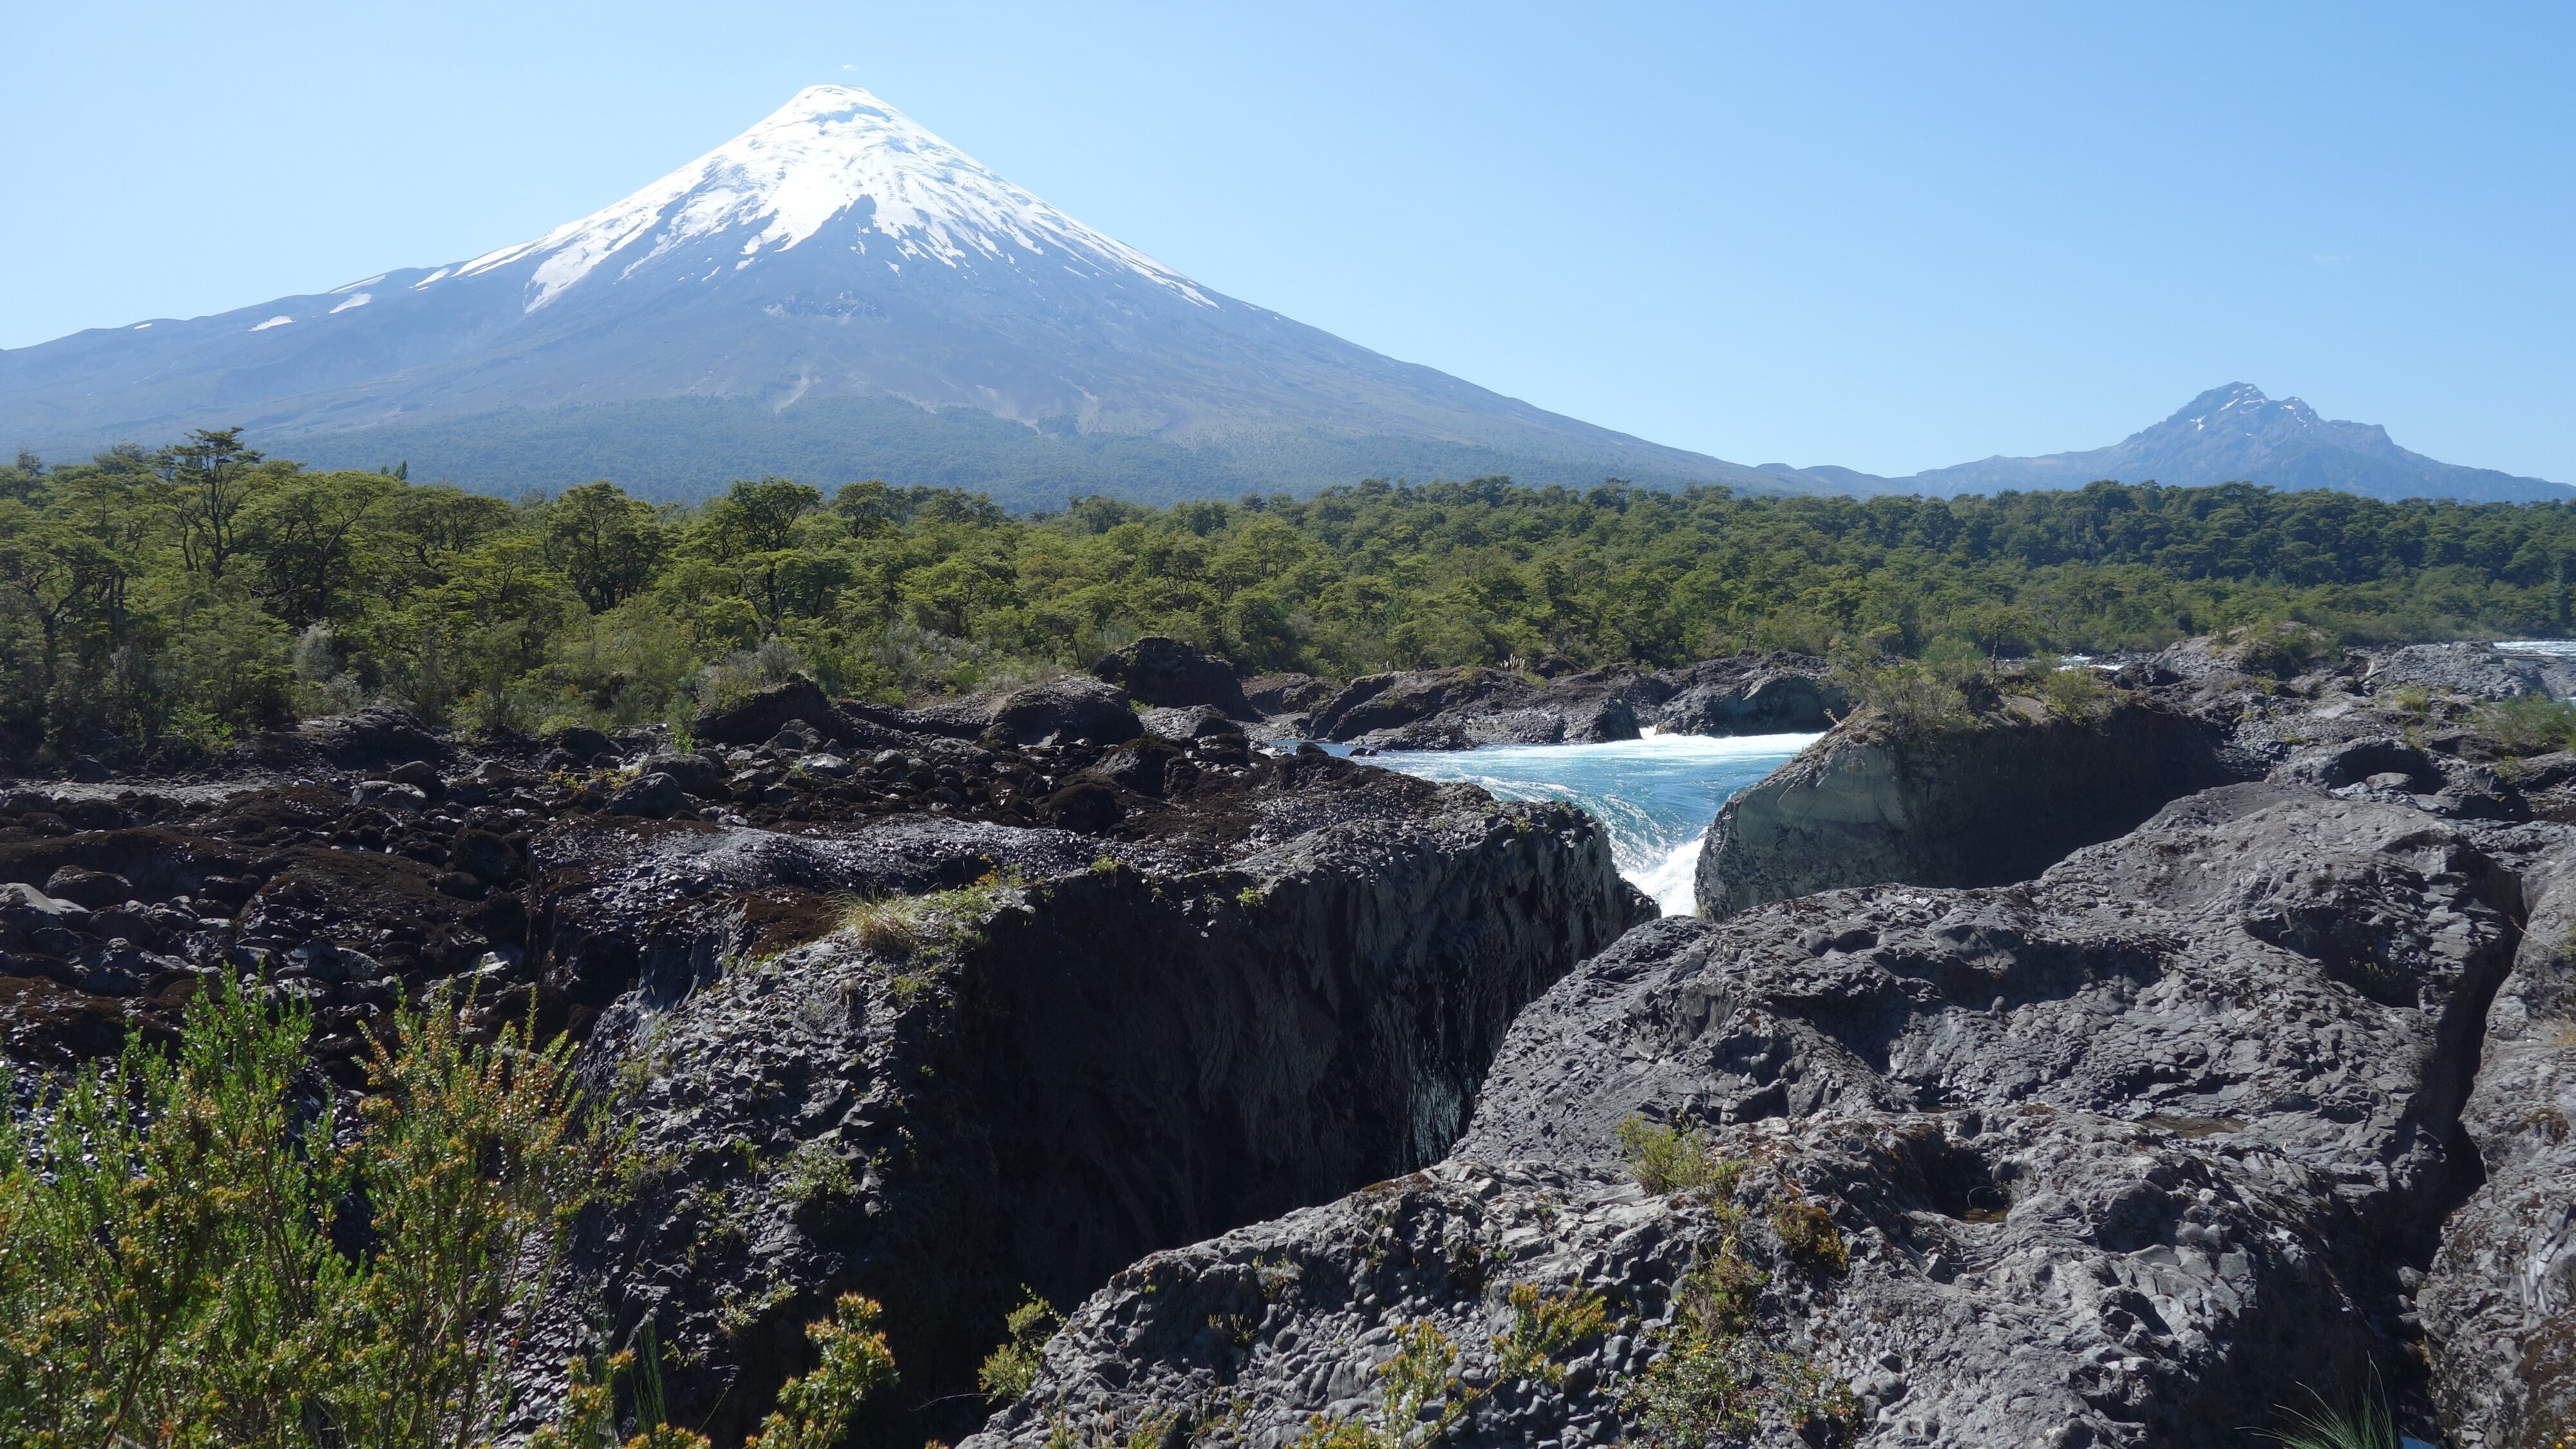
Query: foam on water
x=1656, y=795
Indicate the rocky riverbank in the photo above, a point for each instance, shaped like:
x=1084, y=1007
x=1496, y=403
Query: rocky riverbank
x=2255, y=1096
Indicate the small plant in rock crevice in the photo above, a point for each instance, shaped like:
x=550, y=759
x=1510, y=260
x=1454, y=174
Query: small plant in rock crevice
x=1009, y=1370
x=1715, y=1376
x=1676, y=1159
x=1426, y=1394
x=906, y=926
x=2365, y=1424
x=1808, y=1233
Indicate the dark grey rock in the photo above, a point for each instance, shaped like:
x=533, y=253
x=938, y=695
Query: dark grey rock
x=1762, y=702
x=2481, y=671
x=1114, y=1049
x=1064, y=710
x=1198, y=721
x=655, y=797
x=96, y=889
x=760, y=715
x=1167, y=673
x=2499, y=1301
x=696, y=774
x=2122, y=1156
x=1276, y=694
x=1993, y=801
x=388, y=795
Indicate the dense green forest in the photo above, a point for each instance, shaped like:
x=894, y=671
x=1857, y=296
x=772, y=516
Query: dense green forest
x=159, y=602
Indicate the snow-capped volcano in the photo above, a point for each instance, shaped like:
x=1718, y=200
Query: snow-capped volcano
x=834, y=164
x=834, y=293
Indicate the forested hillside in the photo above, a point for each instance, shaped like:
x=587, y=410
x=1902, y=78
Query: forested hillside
x=157, y=603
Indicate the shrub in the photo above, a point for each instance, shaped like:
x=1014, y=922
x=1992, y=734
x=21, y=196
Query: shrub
x=1425, y=1398
x=2277, y=647
x=813, y=1173
x=2077, y=692
x=1809, y=1234
x=1715, y=1376
x=2530, y=724
x=2366, y=1425
x=1009, y=1370
x=1676, y=1159
x=1914, y=699
x=201, y=1253
x=902, y=926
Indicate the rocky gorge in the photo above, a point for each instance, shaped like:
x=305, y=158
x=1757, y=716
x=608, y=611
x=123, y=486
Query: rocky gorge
x=2110, y=1066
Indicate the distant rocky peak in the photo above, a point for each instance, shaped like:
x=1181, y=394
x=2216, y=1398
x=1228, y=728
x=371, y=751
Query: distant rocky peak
x=834, y=163
x=2239, y=407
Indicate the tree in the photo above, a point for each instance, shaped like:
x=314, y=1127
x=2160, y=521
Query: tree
x=756, y=517
x=304, y=532
x=606, y=545
x=211, y=477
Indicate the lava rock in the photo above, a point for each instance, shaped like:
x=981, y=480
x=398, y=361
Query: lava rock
x=1063, y=711
x=389, y=795
x=1087, y=806
x=761, y=714
x=1166, y=672
x=655, y=797
x=96, y=889
x=696, y=774
x=1275, y=694
x=1198, y=721
x=1995, y=799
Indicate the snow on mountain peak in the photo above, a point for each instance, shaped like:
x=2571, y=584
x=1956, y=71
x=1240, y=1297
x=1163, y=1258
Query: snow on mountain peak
x=829, y=152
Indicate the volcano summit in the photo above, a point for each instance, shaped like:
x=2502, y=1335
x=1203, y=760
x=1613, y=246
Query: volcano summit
x=836, y=293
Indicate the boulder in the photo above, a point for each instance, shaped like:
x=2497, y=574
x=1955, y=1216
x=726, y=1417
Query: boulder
x=96, y=889
x=696, y=774
x=389, y=795
x=758, y=716
x=585, y=745
x=1764, y=702
x=1996, y=798
x=2480, y=671
x=656, y=796
x=1197, y=721
x=1274, y=694
x=1062, y=711
x=1160, y=671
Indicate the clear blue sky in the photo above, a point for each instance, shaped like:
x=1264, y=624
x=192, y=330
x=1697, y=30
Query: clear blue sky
x=1890, y=237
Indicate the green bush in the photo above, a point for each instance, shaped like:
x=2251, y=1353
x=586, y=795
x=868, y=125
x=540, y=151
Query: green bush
x=1715, y=1377
x=195, y=1257
x=2530, y=724
x=1425, y=1398
x=1009, y=1370
x=1676, y=1159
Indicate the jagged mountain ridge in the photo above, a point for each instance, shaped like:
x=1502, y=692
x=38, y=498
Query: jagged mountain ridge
x=833, y=284
x=2228, y=434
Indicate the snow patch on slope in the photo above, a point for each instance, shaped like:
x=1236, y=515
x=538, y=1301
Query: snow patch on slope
x=833, y=153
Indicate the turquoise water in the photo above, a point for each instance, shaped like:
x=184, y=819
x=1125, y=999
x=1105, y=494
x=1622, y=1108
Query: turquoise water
x=1657, y=795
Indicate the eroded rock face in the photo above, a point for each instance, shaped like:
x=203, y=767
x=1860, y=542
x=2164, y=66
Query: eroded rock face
x=1994, y=802
x=1102, y=1050
x=2499, y=1306
x=2120, y=1156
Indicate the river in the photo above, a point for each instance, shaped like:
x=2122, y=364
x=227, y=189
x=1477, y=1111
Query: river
x=1656, y=795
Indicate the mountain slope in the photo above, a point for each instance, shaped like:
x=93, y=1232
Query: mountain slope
x=2226, y=435
x=838, y=252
